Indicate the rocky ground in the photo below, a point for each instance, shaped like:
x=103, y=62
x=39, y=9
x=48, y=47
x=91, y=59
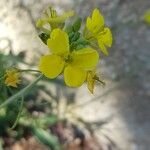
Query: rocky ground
x=124, y=101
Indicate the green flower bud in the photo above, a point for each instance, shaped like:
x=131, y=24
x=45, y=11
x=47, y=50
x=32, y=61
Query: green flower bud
x=39, y=23
x=77, y=24
x=44, y=37
x=75, y=37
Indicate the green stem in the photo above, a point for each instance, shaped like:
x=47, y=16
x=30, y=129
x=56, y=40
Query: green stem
x=23, y=92
x=19, y=114
x=29, y=70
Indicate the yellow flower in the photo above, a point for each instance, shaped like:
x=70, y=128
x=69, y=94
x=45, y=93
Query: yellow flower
x=95, y=26
x=53, y=19
x=91, y=78
x=12, y=77
x=75, y=63
x=90, y=81
x=147, y=17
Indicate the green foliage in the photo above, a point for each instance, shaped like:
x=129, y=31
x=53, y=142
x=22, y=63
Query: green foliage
x=48, y=120
x=6, y=61
x=46, y=138
x=15, y=115
x=44, y=37
x=76, y=40
x=77, y=24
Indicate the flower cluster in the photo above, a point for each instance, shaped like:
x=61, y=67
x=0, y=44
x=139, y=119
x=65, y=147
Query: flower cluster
x=73, y=52
x=12, y=77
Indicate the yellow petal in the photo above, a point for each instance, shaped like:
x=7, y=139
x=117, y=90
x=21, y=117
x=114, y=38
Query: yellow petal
x=59, y=42
x=98, y=19
x=51, y=65
x=96, y=23
x=90, y=80
x=74, y=77
x=12, y=81
x=12, y=77
x=59, y=19
x=103, y=47
x=86, y=58
x=105, y=40
x=89, y=24
x=66, y=15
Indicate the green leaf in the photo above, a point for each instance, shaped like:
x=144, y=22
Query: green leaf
x=75, y=37
x=44, y=37
x=82, y=41
x=69, y=29
x=46, y=138
x=79, y=47
x=71, y=34
x=77, y=24
x=48, y=120
x=73, y=46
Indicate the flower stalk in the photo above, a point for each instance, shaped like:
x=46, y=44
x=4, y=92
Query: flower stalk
x=21, y=93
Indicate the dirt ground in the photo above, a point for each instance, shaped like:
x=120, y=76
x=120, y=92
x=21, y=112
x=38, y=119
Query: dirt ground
x=125, y=100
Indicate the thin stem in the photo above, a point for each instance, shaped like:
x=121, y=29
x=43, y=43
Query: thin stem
x=97, y=79
x=23, y=92
x=30, y=70
x=19, y=114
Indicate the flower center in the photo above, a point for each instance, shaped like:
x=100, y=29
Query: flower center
x=68, y=59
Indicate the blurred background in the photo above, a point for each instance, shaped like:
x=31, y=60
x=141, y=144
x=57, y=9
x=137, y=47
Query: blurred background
x=115, y=117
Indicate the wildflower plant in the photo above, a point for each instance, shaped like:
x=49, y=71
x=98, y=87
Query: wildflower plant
x=74, y=54
x=73, y=51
